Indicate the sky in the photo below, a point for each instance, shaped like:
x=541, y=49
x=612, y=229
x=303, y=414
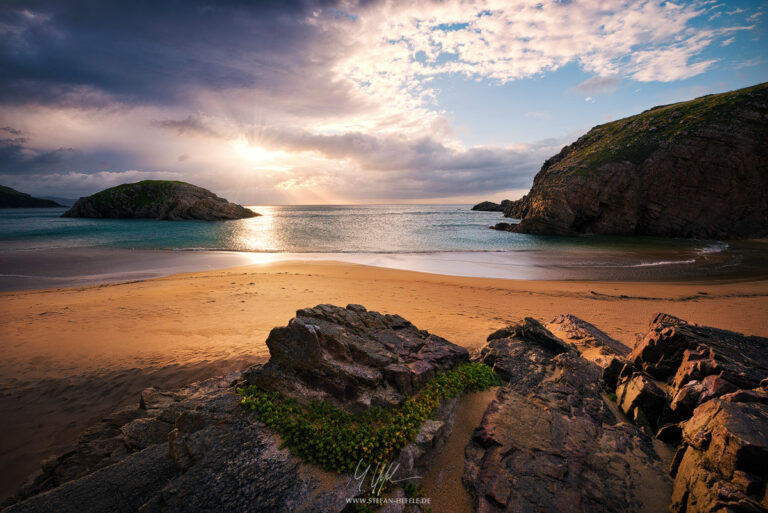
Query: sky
x=316, y=102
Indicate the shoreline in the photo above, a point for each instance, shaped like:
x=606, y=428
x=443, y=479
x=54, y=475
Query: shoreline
x=56, y=268
x=76, y=354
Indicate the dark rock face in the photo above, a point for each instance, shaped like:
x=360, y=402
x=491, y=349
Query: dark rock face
x=722, y=462
x=549, y=442
x=520, y=353
x=692, y=169
x=353, y=358
x=11, y=198
x=489, y=206
x=705, y=388
x=158, y=199
x=197, y=449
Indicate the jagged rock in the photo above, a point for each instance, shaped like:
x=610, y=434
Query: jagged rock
x=489, y=206
x=592, y=344
x=549, y=442
x=353, y=358
x=158, y=199
x=708, y=361
x=502, y=227
x=643, y=401
x=521, y=354
x=723, y=464
x=714, y=379
x=196, y=449
x=693, y=169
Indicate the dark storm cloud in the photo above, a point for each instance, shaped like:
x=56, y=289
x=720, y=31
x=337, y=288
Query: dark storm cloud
x=87, y=52
x=18, y=159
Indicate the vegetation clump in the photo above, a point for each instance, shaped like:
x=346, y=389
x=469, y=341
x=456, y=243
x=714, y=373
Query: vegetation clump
x=335, y=440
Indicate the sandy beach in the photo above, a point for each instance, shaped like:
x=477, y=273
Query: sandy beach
x=72, y=355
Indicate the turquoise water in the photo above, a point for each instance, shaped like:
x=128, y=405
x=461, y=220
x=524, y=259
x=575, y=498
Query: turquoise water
x=444, y=239
x=302, y=229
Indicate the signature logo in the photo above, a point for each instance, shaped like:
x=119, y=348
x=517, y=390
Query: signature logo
x=379, y=475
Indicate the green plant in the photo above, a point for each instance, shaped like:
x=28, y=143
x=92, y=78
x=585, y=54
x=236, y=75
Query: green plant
x=612, y=396
x=327, y=436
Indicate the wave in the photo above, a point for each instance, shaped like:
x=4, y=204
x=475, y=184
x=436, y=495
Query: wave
x=664, y=262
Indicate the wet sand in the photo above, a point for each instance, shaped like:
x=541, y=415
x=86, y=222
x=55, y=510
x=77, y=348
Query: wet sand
x=72, y=355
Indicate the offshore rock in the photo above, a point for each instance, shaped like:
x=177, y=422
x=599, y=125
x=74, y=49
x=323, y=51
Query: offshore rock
x=158, y=199
x=11, y=198
x=694, y=169
x=489, y=206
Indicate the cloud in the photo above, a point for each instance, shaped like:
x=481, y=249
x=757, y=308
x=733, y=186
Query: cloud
x=598, y=85
x=332, y=98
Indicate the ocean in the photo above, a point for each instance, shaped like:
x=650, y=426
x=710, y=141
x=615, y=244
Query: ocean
x=445, y=239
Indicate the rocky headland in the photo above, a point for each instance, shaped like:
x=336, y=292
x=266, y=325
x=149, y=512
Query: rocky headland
x=578, y=424
x=11, y=198
x=696, y=169
x=158, y=199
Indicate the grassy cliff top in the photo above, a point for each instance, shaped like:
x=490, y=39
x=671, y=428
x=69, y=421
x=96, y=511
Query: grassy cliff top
x=635, y=138
x=143, y=192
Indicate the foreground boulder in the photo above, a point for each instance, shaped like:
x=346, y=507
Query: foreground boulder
x=198, y=449
x=158, y=199
x=692, y=169
x=549, y=441
x=352, y=358
x=705, y=388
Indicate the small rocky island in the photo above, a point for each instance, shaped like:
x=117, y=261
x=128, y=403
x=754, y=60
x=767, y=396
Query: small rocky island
x=579, y=424
x=11, y=198
x=696, y=169
x=158, y=199
x=490, y=206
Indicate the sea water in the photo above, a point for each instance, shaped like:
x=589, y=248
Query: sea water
x=449, y=239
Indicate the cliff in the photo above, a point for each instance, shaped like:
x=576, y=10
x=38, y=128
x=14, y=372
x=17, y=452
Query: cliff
x=158, y=199
x=695, y=169
x=11, y=198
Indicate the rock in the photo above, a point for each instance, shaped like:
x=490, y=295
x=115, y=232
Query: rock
x=718, y=361
x=502, y=227
x=197, y=449
x=722, y=467
x=702, y=172
x=158, y=199
x=521, y=354
x=353, y=358
x=718, y=411
x=550, y=443
x=489, y=206
x=592, y=344
x=11, y=198
x=643, y=401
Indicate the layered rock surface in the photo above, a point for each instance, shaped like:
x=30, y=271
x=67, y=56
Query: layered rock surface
x=691, y=169
x=197, y=449
x=706, y=389
x=158, y=199
x=549, y=441
x=353, y=358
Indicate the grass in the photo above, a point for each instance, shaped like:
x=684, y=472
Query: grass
x=635, y=138
x=335, y=440
x=143, y=193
